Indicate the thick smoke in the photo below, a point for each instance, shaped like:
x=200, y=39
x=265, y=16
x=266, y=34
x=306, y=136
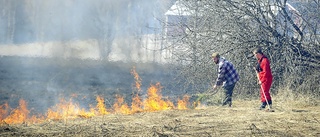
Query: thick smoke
x=54, y=48
x=56, y=26
x=64, y=20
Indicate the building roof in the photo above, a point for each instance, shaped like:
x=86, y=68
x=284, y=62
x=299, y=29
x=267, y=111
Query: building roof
x=178, y=8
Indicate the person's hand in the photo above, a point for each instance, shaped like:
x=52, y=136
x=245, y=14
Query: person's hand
x=214, y=87
x=214, y=91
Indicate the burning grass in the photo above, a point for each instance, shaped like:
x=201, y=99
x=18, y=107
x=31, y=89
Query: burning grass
x=68, y=109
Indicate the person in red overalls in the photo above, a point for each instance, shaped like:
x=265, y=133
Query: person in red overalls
x=265, y=77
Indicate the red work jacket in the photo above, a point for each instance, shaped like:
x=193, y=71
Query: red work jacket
x=265, y=74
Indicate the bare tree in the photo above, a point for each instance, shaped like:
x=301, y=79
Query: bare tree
x=8, y=14
x=235, y=27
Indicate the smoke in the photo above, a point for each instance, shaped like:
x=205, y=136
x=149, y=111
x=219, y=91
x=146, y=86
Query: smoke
x=62, y=20
x=123, y=30
x=55, y=49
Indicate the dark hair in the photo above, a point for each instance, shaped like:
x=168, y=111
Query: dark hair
x=257, y=50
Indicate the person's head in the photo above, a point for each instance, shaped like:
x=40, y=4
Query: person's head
x=257, y=52
x=216, y=57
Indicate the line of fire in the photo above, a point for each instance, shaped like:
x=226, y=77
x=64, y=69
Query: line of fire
x=67, y=109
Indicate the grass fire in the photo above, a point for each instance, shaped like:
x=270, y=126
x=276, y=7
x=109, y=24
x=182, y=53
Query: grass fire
x=150, y=113
x=69, y=109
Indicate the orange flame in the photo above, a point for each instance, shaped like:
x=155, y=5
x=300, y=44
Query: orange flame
x=154, y=101
x=198, y=105
x=100, y=106
x=121, y=107
x=18, y=115
x=85, y=114
x=63, y=110
x=136, y=104
x=182, y=104
x=137, y=79
x=4, y=109
x=67, y=109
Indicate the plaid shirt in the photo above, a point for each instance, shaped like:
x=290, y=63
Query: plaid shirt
x=227, y=74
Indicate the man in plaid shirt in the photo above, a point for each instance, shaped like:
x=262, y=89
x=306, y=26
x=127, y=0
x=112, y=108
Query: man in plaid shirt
x=227, y=77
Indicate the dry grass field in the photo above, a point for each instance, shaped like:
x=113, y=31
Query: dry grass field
x=243, y=119
x=40, y=85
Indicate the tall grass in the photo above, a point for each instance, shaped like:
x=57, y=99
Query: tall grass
x=289, y=97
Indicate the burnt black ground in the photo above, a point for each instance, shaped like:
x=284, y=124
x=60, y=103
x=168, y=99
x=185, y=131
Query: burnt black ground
x=43, y=81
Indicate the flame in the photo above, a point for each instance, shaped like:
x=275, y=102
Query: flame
x=137, y=79
x=198, y=105
x=18, y=115
x=4, y=109
x=100, y=106
x=136, y=105
x=36, y=119
x=154, y=101
x=67, y=109
x=84, y=114
x=182, y=104
x=120, y=106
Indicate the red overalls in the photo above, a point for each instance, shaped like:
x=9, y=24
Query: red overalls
x=265, y=77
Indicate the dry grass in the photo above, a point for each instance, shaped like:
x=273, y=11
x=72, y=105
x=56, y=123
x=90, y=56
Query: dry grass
x=291, y=118
x=289, y=98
